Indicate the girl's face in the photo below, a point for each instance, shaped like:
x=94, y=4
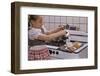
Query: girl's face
x=38, y=22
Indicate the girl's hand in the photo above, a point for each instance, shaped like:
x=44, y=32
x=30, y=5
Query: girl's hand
x=61, y=27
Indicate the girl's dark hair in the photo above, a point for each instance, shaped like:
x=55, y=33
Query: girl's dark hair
x=32, y=17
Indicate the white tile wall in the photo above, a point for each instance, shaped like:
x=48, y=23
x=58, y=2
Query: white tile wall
x=76, y=20
x=69, y=20
x=57, y=19
x=52, y=18
x=83, y=27
x=46, y=19
x=64, y=20
x=52, y=22
x=52, y=26
x=83, y=20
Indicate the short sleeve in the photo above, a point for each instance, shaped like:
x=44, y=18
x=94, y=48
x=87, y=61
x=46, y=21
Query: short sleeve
x=33, y=34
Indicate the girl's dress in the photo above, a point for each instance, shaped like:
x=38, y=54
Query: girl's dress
x=37, y=49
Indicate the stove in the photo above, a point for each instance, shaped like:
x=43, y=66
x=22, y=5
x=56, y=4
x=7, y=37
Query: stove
x=57, y=53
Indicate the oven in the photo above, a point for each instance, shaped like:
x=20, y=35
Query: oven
x=82, y=52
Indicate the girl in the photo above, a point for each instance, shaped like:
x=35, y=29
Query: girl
x=38, y=31
x=38, y=34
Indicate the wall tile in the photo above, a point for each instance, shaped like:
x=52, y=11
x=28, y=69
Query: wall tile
x=83, y=20
x=63, y=19
x=83, y=27
x=46, y=19
x=76, y=20
x=57, y=19
x=69, y=20
x=52, y=19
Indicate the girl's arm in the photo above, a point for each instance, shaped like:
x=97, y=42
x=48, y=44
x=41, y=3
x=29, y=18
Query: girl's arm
x=55, y=31
x=50, y=37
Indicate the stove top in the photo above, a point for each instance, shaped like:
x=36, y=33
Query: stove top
x=57, y=53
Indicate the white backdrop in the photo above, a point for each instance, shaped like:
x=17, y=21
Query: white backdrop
x=5, y=33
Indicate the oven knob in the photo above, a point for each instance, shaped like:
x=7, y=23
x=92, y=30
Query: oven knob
x=50, y=51
x=57, y=52
x=53, y=52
